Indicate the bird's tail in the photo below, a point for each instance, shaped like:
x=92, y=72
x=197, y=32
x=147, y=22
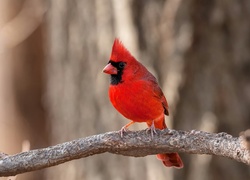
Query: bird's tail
x=171, y=160
x=168, y=159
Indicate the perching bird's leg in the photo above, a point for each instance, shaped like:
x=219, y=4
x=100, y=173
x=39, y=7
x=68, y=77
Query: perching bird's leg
x=152, y=129
x=125, y=128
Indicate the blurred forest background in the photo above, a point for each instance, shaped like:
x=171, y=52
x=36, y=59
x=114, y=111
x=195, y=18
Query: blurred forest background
x=52, y=88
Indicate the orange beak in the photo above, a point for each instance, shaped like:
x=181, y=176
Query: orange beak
x=110, y=69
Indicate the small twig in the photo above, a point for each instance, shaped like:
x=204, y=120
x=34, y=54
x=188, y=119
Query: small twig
x=137, y=144
x=246, y=138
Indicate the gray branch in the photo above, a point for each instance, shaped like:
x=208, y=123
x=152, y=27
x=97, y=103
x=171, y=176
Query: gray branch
x=136, y=144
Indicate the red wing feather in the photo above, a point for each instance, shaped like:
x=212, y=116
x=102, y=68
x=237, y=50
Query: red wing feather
x=159, y=94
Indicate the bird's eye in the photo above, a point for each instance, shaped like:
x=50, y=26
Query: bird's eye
x=121, y=65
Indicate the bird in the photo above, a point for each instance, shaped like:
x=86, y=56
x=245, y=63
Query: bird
x=135, y=93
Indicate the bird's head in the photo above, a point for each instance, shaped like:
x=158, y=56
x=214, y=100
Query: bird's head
x=122, y=65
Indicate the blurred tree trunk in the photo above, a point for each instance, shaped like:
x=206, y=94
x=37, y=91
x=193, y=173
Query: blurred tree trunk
x=199, y=50
x=215, y=92
x=22, y=114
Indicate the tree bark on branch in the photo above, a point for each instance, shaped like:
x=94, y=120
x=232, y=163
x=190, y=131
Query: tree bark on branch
x=136, y=144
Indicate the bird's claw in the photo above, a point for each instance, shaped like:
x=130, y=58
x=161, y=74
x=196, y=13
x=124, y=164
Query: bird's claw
x=152, y=130
x=123, y=129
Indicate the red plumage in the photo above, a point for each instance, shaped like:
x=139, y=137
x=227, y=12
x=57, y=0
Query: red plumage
x=135, y=93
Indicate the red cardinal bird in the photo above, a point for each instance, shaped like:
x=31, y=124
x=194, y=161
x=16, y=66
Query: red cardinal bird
x=135, y=93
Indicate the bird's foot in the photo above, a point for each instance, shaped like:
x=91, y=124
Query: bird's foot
x=123, y=129
x=152, y=130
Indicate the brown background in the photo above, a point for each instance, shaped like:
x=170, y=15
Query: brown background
x=52, y=89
